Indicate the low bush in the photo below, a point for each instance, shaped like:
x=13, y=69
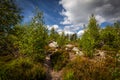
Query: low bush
x=89, y=69
x=113, y=64
x=69, y=75
x=107, y=47
x=59, y=59
x=39, y=57
x=23, y=69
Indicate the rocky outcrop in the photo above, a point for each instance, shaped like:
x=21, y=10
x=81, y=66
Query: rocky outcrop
x=77, y=51
x=53, y=44
x=100, y=54
x=69, y=46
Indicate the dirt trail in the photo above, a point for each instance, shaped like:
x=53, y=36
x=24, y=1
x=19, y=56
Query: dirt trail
x=51, y=74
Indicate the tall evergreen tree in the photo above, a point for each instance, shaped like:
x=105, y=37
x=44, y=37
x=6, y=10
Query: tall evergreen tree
x=9, y=15
x=90, y=37
x=93, y=28
x=53, y=34
x=73, y=37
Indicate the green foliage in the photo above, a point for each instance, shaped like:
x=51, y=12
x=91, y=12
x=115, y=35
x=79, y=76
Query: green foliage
x=68, y=75
x=23, y=39
x=73, y=37
x=88, y=44
x=62, y=40
x=22, y=69
x=59, y=59
x=108, y=35
x=9, y=15
x=26, y=39
x=111, y=36
x=113, y=64
x=90, y=38
x=28, y=42
x=7, y=44
x=93, y=28
x=107, y=48
x=116, y=73
x=39, y=57
x=31, y=39
x=53, y=34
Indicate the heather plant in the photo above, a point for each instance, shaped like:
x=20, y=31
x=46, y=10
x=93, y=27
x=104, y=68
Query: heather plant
x=90, y=69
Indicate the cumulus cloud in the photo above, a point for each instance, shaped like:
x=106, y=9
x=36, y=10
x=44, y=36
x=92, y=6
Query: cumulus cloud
x=66, y=30
x=78, y=11
x=80, y=33
x=56, y=27
x=73, y=28
x=100, y=19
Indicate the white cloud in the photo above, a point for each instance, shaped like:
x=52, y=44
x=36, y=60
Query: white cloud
x=75, y=11
x=78, y=11
x=80, y=32
x=60, y=31
x=68, y=32
x=56, y=27
x=67, y=29
x=73, y=28
x=66, y=21
x=100, y=19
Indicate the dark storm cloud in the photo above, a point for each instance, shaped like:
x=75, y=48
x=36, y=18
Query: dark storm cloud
x=108, y=8
x=77, y=11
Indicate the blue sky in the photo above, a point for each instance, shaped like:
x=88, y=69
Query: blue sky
x=70, y=16
x=50, y=8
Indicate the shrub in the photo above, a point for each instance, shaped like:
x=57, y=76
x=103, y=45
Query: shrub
x=39, y=57
x=59, y=59
x=69, y=75
x=23, y=69
x=108, y=48
x=88, y=43
x=88, y=69
x=90, y=38
x=113, y=64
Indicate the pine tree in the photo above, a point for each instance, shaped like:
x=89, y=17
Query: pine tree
x=53, y=34
x=90, y=37
x=93, y=28
x=73, y=37
x=9, y=15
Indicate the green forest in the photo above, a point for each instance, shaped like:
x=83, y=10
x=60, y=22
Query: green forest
x=32, y=52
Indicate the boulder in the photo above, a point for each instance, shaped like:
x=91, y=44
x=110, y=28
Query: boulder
x=53, y=44
x=69, y=46
x=80, y=53
x=75, y=49
x=101, y=54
